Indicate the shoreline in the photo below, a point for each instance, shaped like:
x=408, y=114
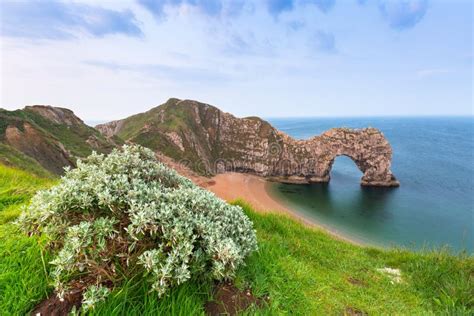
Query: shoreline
x=255, y=191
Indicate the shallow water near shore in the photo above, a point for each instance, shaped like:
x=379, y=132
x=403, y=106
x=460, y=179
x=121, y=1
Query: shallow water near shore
x=434, y=206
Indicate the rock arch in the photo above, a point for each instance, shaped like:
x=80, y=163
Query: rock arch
x=367, y=147
x=370, y=151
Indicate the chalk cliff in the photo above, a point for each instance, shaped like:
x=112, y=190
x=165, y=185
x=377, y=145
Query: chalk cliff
x=210, y=141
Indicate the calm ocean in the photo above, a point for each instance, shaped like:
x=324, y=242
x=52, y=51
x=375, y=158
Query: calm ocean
x=434, y=206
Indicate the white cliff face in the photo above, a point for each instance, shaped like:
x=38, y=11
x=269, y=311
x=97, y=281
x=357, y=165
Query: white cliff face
x=212, y=142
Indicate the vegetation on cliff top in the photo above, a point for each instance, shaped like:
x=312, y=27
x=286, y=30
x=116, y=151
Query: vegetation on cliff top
x=302, y=271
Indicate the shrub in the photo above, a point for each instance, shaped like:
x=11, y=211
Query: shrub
x=118, y=215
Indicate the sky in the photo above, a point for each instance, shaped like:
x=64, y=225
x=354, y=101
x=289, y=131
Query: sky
x=107, y=60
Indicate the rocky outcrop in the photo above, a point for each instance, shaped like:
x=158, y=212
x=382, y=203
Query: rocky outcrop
x=210, y=141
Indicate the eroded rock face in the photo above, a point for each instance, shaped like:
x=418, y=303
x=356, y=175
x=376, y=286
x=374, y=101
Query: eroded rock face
x=210, y=141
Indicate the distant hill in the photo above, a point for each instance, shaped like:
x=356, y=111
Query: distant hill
x=45, y=139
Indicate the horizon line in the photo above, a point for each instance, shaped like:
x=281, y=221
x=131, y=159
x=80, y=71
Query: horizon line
x=101, y=121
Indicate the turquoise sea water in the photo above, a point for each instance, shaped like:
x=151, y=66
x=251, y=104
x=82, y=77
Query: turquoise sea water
x=433, y=207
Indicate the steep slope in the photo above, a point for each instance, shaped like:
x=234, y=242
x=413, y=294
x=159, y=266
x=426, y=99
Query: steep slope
x=210, y=141
x=40, y=138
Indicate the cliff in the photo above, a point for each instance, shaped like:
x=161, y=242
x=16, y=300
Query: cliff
x=50, y=138
x=210, y=141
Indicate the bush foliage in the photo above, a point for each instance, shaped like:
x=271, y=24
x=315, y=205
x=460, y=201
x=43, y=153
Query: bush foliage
x=126, y=213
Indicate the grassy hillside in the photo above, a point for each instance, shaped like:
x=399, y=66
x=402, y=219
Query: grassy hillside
x=152, y=129
x=308, y=271
x=22, y=277
x=9, y=156
x=43, y=138
x=16, y=188
x=133, y=125
x=303, y=271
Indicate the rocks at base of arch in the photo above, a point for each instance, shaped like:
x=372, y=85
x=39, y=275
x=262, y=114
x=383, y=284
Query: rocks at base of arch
x=211, y=141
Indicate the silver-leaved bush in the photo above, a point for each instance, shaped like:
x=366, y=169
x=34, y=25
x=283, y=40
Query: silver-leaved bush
x=126, y=211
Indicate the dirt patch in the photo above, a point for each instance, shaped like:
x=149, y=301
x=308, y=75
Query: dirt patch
x=229, y=300
x=352, y=311
x=356, y=282
x=53, y=306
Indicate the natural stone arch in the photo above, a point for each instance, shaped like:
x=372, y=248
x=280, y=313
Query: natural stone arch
x=368, y=148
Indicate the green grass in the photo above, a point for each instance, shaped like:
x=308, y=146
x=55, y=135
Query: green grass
x=304, y=271
x=17, y=187
x=133, y=125
x=23, y=280
x=135, y=298
x=22, y=273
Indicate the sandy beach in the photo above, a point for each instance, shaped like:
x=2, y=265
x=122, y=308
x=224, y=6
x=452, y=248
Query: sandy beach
x=250, y=188
x=255, y=191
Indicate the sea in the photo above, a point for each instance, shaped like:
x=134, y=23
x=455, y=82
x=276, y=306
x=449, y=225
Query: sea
x=433, y=158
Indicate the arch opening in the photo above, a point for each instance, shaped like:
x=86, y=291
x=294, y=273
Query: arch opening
x=345, y=166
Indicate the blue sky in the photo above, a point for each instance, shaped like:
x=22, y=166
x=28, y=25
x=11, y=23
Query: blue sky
x=271, y=58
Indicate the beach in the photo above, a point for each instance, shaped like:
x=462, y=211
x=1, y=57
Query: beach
x=254, y=190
